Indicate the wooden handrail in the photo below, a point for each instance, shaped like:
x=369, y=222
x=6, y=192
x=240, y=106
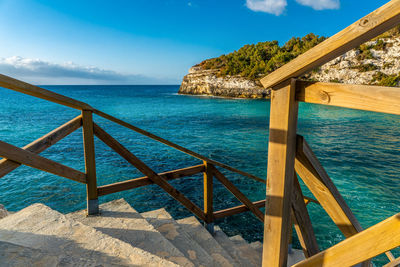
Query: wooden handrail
x=377, y=22
x=173, y=145
x=365, y=245
x=29, y=89
x=364, y=97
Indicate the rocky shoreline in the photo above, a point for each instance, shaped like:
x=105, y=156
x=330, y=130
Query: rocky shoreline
x=376, y=62
x=206, y=82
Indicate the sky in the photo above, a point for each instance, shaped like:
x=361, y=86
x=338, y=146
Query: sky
x=150, y=41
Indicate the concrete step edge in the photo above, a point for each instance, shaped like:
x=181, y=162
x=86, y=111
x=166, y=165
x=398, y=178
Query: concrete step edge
x=198, y=233
x=167, y=226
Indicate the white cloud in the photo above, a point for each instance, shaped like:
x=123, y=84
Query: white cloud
x=43, y=72
x=320, y=4
x=275, y=7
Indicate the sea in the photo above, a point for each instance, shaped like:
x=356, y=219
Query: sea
x=360, y=151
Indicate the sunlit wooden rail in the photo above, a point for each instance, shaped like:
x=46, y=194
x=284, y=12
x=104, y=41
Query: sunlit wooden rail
x=290, y=157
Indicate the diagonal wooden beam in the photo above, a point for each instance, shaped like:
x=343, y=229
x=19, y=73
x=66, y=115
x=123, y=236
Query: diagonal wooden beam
x=317, y=180
x=142, y=167
x=303, y=226
x=377, y=22
x=41, y=144
x=237, y=193
x=35, y=161
x=321, y=186
x=369, y=243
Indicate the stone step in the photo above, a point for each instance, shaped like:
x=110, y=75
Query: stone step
x=167, y=226
x=199, y=234
x=12, y=255
x=119, y=220
x=40, y=227
x=254, y=256
x=232, y=249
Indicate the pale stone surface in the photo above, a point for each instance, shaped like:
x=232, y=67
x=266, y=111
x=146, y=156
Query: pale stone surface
x=251, y=253
x=12, y=255
x=199, y=234
x=167, y=226
x=3, y=212
x=119, y=220
x=40, y=227
x=232, y=249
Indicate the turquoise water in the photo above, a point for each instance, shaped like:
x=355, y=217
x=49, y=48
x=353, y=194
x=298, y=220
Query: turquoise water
x=360, y=151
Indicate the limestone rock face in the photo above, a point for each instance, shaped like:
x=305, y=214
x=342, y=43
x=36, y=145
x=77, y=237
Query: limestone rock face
x=206, y=82
x=3, y=212
x=348, y=67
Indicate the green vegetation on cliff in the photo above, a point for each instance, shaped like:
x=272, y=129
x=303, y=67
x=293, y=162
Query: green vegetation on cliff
x=256, y=60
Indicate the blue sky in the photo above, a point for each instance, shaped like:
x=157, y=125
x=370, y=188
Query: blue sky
x=150, y=41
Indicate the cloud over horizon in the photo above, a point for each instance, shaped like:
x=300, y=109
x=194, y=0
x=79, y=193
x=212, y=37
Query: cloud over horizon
x=43, y=72
x=277, y=7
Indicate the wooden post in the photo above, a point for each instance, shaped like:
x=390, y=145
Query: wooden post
x=90, y=163
x=281, y=154
x=208, y=197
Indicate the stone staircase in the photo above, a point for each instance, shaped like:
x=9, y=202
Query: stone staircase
x=120, y=236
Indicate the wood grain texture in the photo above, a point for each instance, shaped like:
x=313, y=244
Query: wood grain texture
x=35, y=161
x=143, y=181
x=321, y=186
x=90, y=160
x=369, y=243
x=364, y=97
x=29, y=89
x=142, y=167
x=302, y=220
x=237, y=193
x=177, y=147
x=41, y=144
x=281, y=153
x=208, y=192
x=372, y=25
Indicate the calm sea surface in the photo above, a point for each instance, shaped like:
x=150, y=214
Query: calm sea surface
x=360, y=151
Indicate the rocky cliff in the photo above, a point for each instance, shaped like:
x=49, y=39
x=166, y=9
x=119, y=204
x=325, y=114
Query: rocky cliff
x=376, y=62
x=205, y=82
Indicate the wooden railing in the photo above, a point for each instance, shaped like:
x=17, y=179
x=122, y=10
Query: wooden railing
x=289, y=153
x=28, y=155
